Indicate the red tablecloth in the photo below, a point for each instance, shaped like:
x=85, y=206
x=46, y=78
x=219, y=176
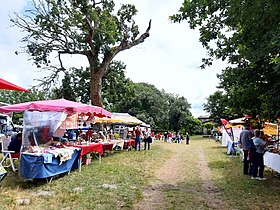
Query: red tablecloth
x=90, y=148
x=108, y=147
x=129, y=143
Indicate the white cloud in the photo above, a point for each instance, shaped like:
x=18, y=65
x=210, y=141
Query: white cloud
x=168, y=59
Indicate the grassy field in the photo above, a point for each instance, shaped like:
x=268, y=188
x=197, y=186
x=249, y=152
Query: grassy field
x=235, y=190
x=119, y=181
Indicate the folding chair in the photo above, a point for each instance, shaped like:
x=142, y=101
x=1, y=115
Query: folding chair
x=6, y=153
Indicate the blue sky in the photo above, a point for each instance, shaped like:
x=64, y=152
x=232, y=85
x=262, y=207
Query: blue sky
x=168, y=59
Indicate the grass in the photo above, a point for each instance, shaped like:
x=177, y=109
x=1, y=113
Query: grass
x=115, y=183
x=238, y=190
x=119, y=181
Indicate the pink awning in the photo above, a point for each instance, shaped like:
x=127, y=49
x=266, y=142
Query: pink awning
x=10, y=86
x=58, y=105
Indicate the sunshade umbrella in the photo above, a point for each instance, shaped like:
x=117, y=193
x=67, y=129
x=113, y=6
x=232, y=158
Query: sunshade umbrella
x=10, y=86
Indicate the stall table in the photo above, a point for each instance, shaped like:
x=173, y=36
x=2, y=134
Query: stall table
x=128, y=144
x=107, y=147
x=117, y=144
x=272, y=161
x=34, y=166
x=95, y=148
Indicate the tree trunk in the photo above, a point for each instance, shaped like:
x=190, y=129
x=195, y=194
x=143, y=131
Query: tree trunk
x=95, y=87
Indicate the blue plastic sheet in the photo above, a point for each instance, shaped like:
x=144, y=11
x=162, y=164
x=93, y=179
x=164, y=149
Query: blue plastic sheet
x=34, y=167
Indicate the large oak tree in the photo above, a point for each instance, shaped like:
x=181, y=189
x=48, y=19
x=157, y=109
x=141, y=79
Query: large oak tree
x=84, y=27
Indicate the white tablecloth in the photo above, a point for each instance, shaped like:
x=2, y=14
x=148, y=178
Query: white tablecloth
x=272, y=161
x=119, y=143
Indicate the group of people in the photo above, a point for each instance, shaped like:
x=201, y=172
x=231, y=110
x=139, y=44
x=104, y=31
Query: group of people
x=175, y=137
x=138, y=134
x=253, y=148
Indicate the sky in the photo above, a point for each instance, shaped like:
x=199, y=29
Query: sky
x=169, y=59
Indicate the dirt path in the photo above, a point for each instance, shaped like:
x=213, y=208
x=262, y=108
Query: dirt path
x=173, y=172
x=211, y=192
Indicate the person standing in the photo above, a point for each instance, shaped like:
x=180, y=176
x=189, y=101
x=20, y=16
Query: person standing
x=258, y=163
x=181, y=138
x=165, y=136
x=169, y=135
x=178, y=137
x=137, y=138
x=147, y=139
x=159, y=136
x=246, y=143
x=89, y=134
x=187, y=138
x=153, y=136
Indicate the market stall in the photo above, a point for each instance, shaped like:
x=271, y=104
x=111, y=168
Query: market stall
x=271, y=136
x=37, y=166
x=40, y=155
x=272, y=161
x=120, y=123
x=129, y=144
x=230, y=135
x=92, y=148
x=107, y=147
x=117, y=144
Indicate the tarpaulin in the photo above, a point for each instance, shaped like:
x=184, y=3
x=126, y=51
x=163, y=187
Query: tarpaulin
x=33, y=166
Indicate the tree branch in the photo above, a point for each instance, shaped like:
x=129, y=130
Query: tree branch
x=127, y=45
x=90, y=35
x=72, y=52
x=124, y=45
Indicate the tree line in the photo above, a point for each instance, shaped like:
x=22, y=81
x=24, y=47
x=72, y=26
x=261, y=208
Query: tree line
x=245, y=35
x=162, y=110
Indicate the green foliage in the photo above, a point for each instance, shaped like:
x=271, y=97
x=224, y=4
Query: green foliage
x=218, y=106
x=15, y=97
x=75, y=86
x=116, y=88
x=178, y=111
x=246, y=35
x=149, y=105
x=208, y=125
x=193, y=125
x=120, y=94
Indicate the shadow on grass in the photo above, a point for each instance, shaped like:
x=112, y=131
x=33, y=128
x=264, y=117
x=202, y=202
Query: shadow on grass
x=218, y=164
x=13, y=181
x=218, y=147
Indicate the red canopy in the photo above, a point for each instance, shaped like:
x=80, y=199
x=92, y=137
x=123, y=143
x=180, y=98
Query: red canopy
x=10, y=86
x=58, y=105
